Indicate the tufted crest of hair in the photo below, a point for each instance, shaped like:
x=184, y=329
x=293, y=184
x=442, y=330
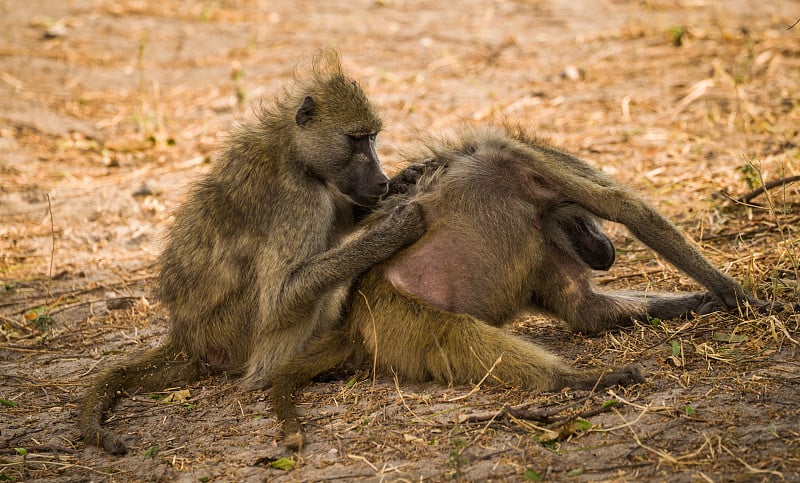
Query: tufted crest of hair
x=340, y=101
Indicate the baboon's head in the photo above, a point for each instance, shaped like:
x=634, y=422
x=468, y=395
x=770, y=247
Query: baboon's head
x=335, y=133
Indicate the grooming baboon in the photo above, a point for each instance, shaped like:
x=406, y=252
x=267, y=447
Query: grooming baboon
x=511, y=228
x=255, y=263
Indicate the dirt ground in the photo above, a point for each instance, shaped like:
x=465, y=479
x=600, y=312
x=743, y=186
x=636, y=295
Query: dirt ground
x=108, y=109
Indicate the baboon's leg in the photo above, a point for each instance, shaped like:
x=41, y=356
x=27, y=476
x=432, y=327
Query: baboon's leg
x=323, y=353
x=604, y=311
x=324, y=271
x=467, y=350
x=420, y=342
x=567, y=293
x=152, y=371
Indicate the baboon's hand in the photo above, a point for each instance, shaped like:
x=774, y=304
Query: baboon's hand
x=714, y=302
x=406, y=223
x=407, y=178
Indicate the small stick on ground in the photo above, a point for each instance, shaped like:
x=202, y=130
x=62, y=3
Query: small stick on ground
x=767, y=186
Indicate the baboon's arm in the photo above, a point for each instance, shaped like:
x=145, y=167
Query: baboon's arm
x=321, y=273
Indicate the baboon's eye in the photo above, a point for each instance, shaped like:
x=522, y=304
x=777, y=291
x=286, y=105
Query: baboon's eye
x=356, y=137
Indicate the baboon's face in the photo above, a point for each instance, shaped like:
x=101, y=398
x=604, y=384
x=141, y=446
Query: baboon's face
x=363, y=180
x=336, y=141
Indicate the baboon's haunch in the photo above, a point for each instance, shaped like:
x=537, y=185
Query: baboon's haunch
x=255, y=263
x=511, y=228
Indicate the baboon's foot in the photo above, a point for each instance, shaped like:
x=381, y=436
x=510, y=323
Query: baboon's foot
x=622, y=376
x=708, y=303
x=107, y=440
x=711, y=303
x=295, y=440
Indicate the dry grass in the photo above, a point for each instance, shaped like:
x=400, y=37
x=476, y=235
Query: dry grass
x=695, y=107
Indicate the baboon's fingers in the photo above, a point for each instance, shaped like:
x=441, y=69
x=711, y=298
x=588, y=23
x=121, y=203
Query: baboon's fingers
x=408, y=221
x=764, y=307
x=708, y=304
x=113, y=445
x=407, y=178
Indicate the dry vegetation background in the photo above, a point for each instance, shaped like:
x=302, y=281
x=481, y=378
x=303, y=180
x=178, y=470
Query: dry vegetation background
x=108, y=109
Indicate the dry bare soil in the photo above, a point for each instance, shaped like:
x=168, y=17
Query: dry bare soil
x=109, y=109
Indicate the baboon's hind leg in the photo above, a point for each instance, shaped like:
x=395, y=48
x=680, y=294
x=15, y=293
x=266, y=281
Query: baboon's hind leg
x=606, y=311
x=469, y=350
x=574, y=300
x=323, y=353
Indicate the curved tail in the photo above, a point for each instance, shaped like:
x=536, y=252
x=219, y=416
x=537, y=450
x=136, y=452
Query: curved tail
x=152, y=370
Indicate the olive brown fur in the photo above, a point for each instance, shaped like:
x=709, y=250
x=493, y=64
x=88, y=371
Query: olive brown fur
x=264, y=249
x=512, y=227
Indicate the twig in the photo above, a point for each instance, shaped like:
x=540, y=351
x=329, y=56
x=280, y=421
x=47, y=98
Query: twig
x=743, y=234
x=52, y=247
x=74, y=294
x=751, y=469
x=767, y=186
x=13, y=322
x=544, y=415
x=90, y=369
x=78, y=304
x=478, y=385
x=629, y=424
x=365, y=460
x=402, y=399
x=790, y=27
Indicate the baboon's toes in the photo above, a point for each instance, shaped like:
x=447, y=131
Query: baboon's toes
x=707, y=304
x=624, y=376
x=294, y=441
x=112, y=444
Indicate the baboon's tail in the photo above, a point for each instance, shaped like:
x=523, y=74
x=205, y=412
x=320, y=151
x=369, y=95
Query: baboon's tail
x=149, y=371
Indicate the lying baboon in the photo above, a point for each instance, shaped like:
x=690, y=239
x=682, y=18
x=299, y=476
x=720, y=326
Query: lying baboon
x=256, y=262
x=511, y=228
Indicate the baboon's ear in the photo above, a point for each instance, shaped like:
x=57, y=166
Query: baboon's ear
x=306, y=111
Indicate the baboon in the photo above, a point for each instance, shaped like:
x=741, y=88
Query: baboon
x=511, y=227
x=257, y=260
